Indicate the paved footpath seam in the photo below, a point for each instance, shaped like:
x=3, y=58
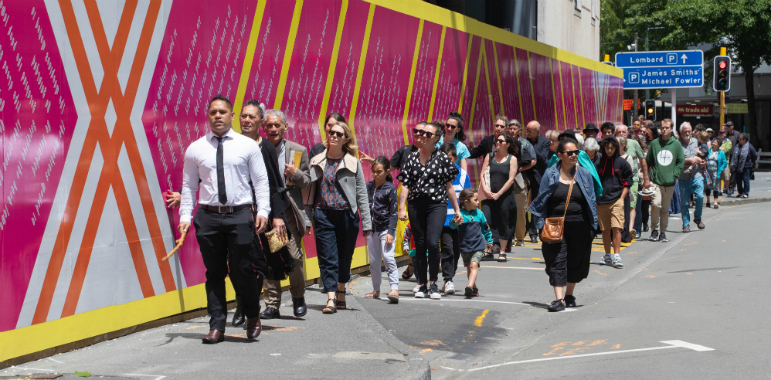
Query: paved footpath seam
x=419, y=368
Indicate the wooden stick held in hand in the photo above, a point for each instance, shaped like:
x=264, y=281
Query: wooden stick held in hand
x=179, y=244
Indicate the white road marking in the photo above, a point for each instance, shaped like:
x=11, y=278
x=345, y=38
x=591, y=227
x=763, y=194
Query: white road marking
x=157, y=377
x=671, y=344
x=464, y=300
x=691, y=346
x=35, y=369
x=54, y=360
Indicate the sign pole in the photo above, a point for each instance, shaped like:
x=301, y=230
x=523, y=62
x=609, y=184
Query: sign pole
x=722, y=95
x=636, y=104
x=674, y=109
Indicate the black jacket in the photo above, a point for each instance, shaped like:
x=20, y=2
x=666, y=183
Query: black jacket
x=542, y=153
x=487, y=146
x=280, y=262
x=615, y=174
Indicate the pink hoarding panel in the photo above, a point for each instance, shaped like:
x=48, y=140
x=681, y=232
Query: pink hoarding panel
x=525, y=79
x=385, y=79
x=201, y=56
x=61, y=141
x=451, y=71
x=544, y=95
x=508, y=73
x=36, y=123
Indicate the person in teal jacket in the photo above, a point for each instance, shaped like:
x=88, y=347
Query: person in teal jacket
x=716, y=163
x=583, y=160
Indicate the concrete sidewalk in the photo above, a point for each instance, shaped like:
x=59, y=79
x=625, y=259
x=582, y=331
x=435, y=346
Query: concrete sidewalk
x=350, y=344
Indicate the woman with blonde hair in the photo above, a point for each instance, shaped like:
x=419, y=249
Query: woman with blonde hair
x=337, y=193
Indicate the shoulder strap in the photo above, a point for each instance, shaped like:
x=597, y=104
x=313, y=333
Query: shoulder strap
x=570, y=192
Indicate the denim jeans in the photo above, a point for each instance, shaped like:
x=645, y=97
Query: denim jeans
x=336, y=233
x=695, y=186
x=426, y=223
x=743, y=182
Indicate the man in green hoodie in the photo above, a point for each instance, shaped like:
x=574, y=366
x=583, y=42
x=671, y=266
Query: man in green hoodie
x=666, y=160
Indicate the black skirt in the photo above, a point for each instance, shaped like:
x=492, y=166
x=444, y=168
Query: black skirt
x=568, y=260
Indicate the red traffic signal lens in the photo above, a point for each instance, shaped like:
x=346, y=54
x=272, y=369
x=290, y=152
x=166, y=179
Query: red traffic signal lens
x=722, y=65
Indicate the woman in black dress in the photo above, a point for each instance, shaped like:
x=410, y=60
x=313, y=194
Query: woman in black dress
x=567, y=262
x=499, y=206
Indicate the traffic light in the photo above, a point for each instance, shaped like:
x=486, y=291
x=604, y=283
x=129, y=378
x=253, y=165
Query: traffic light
x=722, y=76
x=650, y=110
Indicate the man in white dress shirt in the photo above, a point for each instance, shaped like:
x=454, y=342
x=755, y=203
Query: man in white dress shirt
x=224, y=162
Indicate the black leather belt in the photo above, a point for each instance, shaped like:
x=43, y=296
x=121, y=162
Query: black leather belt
x=225, y=209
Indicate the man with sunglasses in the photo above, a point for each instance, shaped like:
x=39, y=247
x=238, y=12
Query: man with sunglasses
x=487, y=145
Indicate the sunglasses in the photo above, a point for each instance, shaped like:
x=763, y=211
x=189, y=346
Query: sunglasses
x=451, y=127
x=570, y=153
x=500, y=141
x=420, y=132
x=338, y=134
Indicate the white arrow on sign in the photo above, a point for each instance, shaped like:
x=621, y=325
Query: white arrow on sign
x=669, y=344
x=684, y=57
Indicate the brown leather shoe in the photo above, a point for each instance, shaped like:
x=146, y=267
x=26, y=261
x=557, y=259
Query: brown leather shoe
x=214, y=337
x=253, y=327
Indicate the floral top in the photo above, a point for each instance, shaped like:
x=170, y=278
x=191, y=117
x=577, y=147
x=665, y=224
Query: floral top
x=330, y=194
x=429, y=180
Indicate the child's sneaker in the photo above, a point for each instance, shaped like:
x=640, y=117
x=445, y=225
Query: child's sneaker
x=617, y=261
x=421, y=293
x=434, y=292
x=448, y=288
x=468, y=292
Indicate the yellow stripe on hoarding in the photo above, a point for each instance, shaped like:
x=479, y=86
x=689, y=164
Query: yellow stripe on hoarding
x=498, y=76
x=519, y=91
x=298, y=7
x=360, y=71
x=413, y=69
x=332, y=67
x=248, y=60
x=532, y=89
x=436, y=75
x=465, y=74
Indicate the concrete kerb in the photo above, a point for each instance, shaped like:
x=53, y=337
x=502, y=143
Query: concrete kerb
x=744, y=201
x=418, y=367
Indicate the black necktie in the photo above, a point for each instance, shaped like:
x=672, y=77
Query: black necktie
x=221, y=173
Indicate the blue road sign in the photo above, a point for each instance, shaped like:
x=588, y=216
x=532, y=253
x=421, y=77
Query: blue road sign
x=662, y=69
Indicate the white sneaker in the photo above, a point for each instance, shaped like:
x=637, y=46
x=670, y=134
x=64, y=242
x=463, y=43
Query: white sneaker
x=448, y=288
x=416, y=288
x=421, y=293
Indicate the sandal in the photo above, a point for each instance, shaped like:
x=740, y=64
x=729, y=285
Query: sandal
x=340, y=304
x=372, y=295
x=329, y=309
x=502, y=258
x=392, y=298
x=407, y=273
x=475, y=292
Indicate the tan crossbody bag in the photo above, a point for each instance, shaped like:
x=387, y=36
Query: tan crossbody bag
x=554, y=228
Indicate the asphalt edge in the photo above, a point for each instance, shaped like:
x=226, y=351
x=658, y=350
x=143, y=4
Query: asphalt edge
x=417, y=367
